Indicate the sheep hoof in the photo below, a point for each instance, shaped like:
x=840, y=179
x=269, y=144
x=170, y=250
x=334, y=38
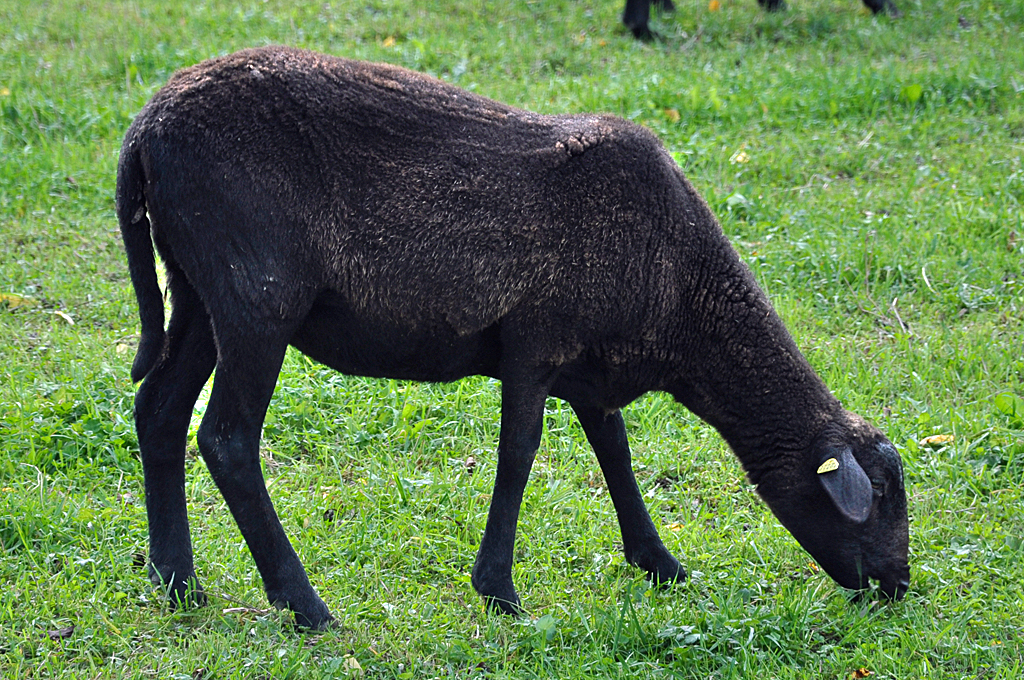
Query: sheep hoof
x=664, y=571
x=317, y=623
x=502, y=605
x=310, y=611
x=183, y=593
x=665, y=579
x=495, y=585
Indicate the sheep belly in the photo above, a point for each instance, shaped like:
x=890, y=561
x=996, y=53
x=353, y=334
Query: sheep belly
x=357, y=344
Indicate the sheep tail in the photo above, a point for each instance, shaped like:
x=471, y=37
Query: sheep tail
x=130, y=202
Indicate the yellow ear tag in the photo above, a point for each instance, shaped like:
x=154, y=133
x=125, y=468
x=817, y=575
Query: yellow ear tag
x=828, y=466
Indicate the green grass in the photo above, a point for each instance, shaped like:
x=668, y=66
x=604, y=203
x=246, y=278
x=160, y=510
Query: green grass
x=869, y=171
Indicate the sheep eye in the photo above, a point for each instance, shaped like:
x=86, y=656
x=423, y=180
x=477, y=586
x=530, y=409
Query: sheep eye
x=878, y=486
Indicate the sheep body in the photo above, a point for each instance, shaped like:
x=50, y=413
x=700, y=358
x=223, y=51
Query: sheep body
x=387, y=224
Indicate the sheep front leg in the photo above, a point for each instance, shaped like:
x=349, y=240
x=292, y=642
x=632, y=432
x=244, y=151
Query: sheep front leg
x=229, y=439
x=606, y=433
x=522, y=417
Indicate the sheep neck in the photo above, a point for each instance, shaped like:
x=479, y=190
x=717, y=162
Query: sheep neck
x=741, y=371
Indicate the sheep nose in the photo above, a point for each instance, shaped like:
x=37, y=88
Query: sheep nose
x=895, y=589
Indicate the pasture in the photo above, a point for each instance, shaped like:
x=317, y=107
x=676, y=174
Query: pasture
x=867, y=169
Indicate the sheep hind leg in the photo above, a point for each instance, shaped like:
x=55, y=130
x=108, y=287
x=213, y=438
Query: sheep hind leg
x=643, y=548
x=522, y=419
x=229, y=437
x=163, y=409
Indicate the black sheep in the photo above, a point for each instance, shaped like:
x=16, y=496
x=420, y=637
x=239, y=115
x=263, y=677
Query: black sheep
x=638, y=12
x=388, y=224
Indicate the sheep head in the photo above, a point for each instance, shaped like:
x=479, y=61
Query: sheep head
x=844, y=501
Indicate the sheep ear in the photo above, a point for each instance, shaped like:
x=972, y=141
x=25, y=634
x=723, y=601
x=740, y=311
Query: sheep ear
x=847, y=484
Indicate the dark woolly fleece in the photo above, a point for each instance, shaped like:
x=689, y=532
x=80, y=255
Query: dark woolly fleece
x=388, y=224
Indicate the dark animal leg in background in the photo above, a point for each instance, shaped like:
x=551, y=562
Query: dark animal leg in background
x=876, y=6
x=642, y=545
x=229, y=439
x=880, y=6
x=664, y=5
x=523, y=394
x=163, y=408
x=637, y=14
